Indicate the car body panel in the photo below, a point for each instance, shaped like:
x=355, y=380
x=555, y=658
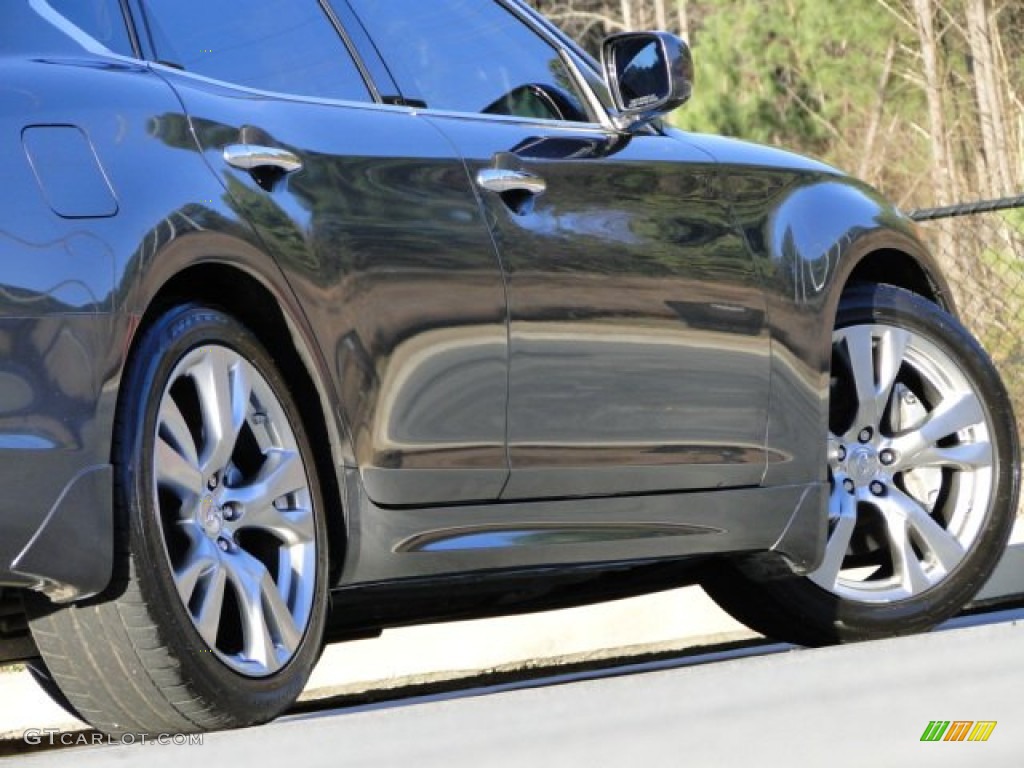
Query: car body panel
x=602, y=378
x=490, y=538
x=639, y=351
x=64, y=276
x=381, y=240
x=807, y=226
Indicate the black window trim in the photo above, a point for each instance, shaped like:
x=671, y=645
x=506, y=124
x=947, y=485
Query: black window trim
x=133, y=33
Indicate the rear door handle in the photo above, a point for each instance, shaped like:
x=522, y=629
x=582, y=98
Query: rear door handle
x=251, y=157
x=504, y=180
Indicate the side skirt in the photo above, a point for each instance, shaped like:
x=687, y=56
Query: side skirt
x=406, y=565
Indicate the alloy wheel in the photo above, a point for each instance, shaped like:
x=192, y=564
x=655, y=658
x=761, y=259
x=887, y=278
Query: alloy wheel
x=910, y=462
x=234, y=504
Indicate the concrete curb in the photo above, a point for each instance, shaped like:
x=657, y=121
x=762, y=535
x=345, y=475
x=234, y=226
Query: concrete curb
x=443, y=652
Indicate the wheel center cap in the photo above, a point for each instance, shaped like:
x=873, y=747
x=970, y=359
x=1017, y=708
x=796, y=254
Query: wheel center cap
x=863, y=465
x=211, y=516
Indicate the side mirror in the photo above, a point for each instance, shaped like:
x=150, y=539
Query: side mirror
x=649, y=74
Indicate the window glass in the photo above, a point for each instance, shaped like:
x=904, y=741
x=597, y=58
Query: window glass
x=102, y=20
x=471, y=56
x=288, y=46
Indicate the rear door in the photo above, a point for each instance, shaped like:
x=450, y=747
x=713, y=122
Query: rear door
x=369, y=211
x=639, y=349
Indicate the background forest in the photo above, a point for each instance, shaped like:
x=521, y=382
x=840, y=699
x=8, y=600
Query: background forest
x=922, y=98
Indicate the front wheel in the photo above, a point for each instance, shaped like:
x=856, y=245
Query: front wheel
x=215, y=615
x=924, y=471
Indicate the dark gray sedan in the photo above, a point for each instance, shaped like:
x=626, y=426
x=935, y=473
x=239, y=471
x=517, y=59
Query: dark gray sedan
x=322, y=317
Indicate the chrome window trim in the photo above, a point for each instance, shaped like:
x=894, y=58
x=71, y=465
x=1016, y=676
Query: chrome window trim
x=69, y=28
x=591, y=99
x=160, y=68
x=602, y=121
x=148, y=57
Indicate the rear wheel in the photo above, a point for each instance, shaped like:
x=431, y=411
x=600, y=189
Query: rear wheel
x=215, y=615
x=923, y=467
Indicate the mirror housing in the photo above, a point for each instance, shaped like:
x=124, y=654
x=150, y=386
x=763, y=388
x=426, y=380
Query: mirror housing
x=649, y=74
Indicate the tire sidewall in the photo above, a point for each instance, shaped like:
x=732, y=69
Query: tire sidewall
x=163, y=346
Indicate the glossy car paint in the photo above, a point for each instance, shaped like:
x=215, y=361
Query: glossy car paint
x=639, y=350
x=381, y=239
x=659, y=320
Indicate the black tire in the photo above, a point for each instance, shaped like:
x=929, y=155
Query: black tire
x=796, y=609
x=132, y=660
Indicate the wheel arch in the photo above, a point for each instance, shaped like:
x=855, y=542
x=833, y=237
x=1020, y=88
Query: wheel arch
x=825, y=237
x=250, y=300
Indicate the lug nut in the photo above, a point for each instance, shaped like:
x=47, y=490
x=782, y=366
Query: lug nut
x=841, y=453
x=865, y=435
x=877, y=488
x=223, y=544
x=212, y=482
x=887, y=457
x=848, y=485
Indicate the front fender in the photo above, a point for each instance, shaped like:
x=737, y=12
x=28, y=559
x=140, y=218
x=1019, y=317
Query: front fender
x=816, y=234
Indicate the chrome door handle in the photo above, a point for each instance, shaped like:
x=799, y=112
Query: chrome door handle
x=250, y=157
x=502, y=180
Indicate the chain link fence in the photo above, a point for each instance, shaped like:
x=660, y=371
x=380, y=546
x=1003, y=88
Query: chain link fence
x=980, y=246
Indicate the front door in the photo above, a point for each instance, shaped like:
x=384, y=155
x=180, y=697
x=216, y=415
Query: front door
x=639, y=349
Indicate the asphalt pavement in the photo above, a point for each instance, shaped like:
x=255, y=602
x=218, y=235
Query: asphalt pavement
x=860, y=705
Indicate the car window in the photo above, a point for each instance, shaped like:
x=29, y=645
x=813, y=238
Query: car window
x=102, y=20
x=287, y=46
x=471, y=56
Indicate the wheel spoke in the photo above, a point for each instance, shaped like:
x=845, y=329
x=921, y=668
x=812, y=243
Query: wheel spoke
x=968, y=456
x=246, y=574
x=174, y=430
x=938, y=544
x=904, y=560
x=200, y=560
x=951, y=416
x=223, y=386
x=285, y=574
x=279, y=616
x=282, y=473
x=290, y=526
x=946, y=550
x=207, y=617
x=892, y=345
x=859, y=348
x=176, y=473
x=843, y=508
x=266, y=620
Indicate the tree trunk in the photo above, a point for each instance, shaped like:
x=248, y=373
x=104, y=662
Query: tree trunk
x=942, y=165
x=867, y=160
x=990, y=100
x=660, y=16
x=684, y=19
x=627, y=14
x=942, y=162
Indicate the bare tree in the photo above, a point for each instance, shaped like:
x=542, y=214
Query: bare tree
x=924, y=12
x=990, y=101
